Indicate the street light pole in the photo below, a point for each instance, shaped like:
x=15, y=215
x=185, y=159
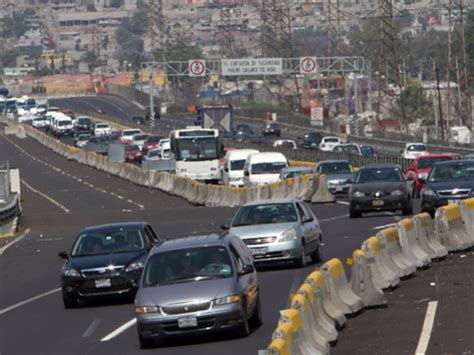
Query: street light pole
x=152, y=108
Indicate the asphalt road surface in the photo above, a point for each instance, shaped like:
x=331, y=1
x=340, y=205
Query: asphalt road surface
x=61, y=197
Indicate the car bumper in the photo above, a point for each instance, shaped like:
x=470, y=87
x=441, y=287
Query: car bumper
x=84, y=287
x=217, y=319
x=275, y=252
x=431, y=204
x=339, y=189
x=391, y=203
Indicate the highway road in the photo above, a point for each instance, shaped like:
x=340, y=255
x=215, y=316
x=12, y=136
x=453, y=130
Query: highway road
x=61, y=196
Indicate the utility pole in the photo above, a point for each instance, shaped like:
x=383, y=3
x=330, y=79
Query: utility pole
x=369, y=87
x=465, y=80
x=333, y=16
x=156, y=29
x=459, y=92
x=448, y=73
x=440, y=106
x=152, y=105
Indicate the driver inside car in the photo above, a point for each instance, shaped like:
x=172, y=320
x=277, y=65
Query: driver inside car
x=217, y=264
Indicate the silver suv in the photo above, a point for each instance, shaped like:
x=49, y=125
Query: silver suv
x=197, y=285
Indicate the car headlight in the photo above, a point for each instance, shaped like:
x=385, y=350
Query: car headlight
x=288, y=236
x=428, y=192
x=358, y=194
x=135, y=266
x=422, y=175
x=146, y=309
x=396, y=193
x=71, y=272
x=227, y=300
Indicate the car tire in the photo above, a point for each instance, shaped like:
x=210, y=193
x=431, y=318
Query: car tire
x=146, y=343
x=257, y=319
x=301, y=261
x=317, y=255
x=69, y=302
x=244, y=329
x=354, y=214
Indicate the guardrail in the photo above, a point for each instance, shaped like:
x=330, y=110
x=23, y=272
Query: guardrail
x=9, y=214
x=326, y=297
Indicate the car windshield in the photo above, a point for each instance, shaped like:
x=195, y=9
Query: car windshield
x=187, y=265
x=120, y=240
x=427, y=163
x=100, y=125
x=197, y=149
x=131, y=133
x=335, y=168
x=331, y=140
x=450, y=172
x=268, y=168
x=153, y=153
x=131, y=148
x=416, y=148
x=346, y=149
x=83, y=137
x=83, y=121
x=265, y=214
x=379, y=175
x=63, y=123
x=237, y=164
x=140, y=137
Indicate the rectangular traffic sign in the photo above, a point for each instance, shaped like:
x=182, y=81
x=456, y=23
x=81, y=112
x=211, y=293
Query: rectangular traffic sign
x=252, y=66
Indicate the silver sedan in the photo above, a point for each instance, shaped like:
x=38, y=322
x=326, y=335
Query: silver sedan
x=279, y=230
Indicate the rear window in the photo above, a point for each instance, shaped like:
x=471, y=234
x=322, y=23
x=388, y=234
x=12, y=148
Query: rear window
x=331, y=140
x=131, y=133
x=237, y=164
x=102, y=125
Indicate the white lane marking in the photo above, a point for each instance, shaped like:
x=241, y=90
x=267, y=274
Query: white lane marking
x=29, y=300
x=343, y=203
x=91, y=328
x=54, y=202
x=333, y=218
x=14, y=241
x=384, y=226
x=427, y=328
x=120, y=330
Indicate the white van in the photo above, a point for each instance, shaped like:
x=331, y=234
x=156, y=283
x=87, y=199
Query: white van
x=263, y=168
x=233, y=166
x=62, y=126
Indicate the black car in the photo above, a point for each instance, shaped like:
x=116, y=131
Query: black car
x=447, y=182
x=138, y=119
x=311, y=140
x=380, y=187
x=106, y=260
x=271, y=129
x=83, y=125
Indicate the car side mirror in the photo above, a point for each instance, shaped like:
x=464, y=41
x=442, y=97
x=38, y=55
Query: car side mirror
x=421, y=179
x=63, y=255
x=246, y=173
x=246, y=269
x=225, y=227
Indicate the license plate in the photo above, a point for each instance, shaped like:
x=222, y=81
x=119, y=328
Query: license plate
x=102, y=283
x=377, y=203
x=187, y=322
x=452, y=201
x=258, y=251
x=339, y=189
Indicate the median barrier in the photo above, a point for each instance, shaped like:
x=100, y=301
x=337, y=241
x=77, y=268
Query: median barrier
x=428, y=239
x=317, y=280
x=339, y=288
x=396, y=261
x=305, y=186
x=323, y=323
x=285, y=332
x=362, y=281
x=410, y=245
x=322, y=194
x=310, y=330
x=280, y=189
x=451, y=229
x=467, y=212
x=278, y=347
x=382, y=275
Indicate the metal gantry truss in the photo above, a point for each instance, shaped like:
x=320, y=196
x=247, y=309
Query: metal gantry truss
x=291, y=66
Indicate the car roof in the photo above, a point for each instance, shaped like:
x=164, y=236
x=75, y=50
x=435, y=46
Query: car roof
x=414, y=143
x=380, y=165
x=263, y=156
x=105, y=227
x=296, y=168
x=346, y=145
x=192, y=242
x=331, y=137
x=434, y=156
x=455, y=162
x=240, y=153
x=272, y=201
x=332, y=161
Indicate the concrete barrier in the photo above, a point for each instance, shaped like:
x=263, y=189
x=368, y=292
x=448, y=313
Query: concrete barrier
x=317, y=280
x=451, y=229
x=323, y=323
x=362, y=281
x=409, y=243
x=278, y=347
x=467, y=212
x=284, y=332
x=322, y=194
x=427, y=237
x=310, y=331
x=339, y=288
x=396, y=261
x=382, y=275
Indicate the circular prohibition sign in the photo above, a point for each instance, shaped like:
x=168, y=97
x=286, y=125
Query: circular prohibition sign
x=197, y=68
x=308, y=65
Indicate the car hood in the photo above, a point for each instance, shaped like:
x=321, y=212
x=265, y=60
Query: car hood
x=261, y=230
x=339, y=177
x=264, y=178
x=450, y=185
x=205, y=290
x=103, y=260
x=385, y=187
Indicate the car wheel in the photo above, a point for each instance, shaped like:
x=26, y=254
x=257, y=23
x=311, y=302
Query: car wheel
x=69, y=302
x=257, y=319
x=354, y=214
x=146, y=343
x=244, y=330
x=301, y=261
x=317, y=255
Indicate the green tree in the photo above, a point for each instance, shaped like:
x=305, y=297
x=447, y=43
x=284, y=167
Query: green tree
x=417, y=105
x=14, y=25
x=8, y=57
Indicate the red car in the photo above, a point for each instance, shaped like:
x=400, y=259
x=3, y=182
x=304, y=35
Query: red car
x=150, y=143
x=133, y=154
x=422, y=167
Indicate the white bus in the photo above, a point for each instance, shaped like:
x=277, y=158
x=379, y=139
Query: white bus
x=197, y=152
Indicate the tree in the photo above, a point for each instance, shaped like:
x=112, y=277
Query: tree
x=14, y=25
x=417, y=105
x=116, y=3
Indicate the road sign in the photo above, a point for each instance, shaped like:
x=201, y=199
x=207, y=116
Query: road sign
x=252, y=66
x=317, y=116
x=197, y=68
x=308, y=65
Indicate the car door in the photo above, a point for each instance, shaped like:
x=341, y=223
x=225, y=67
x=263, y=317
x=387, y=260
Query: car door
x=309, y=227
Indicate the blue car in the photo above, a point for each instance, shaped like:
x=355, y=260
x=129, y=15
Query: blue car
x=368, y=151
